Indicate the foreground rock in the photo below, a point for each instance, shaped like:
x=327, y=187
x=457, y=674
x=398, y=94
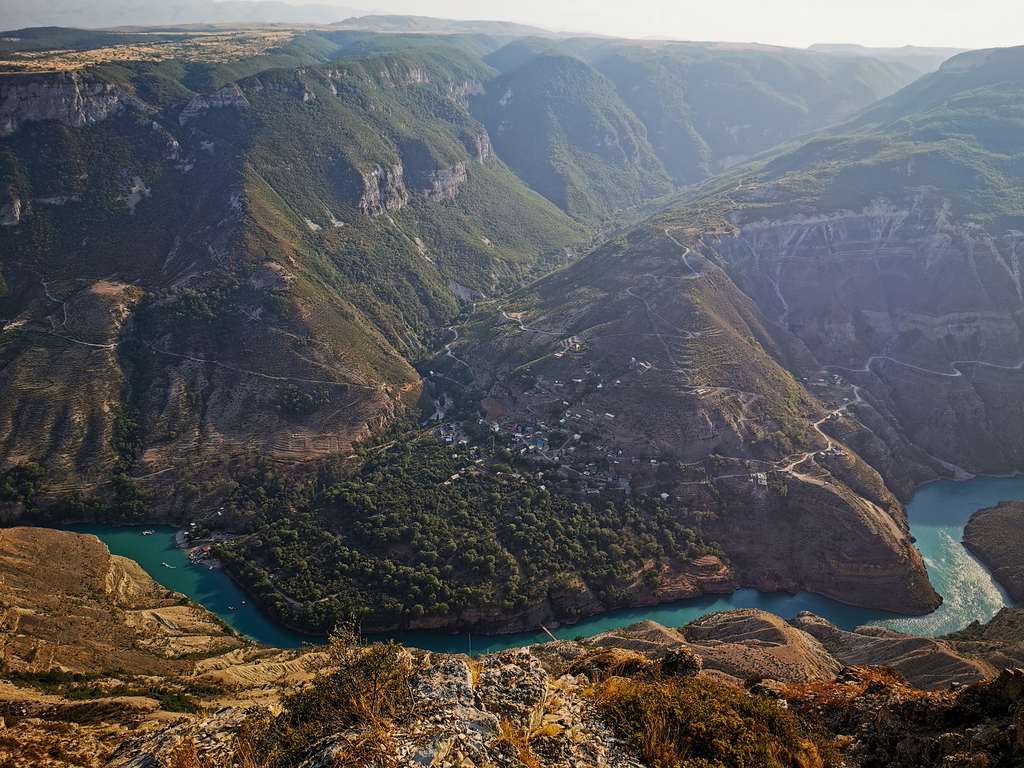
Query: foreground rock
x=504, y=710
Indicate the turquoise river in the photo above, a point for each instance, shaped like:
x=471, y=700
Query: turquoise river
x=937, y=514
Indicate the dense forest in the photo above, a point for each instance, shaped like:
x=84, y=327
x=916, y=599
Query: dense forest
x=422, y=531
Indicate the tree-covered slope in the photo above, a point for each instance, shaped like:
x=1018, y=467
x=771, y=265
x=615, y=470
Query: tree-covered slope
x=563, y=128
x=255, y=266
x=707, y=109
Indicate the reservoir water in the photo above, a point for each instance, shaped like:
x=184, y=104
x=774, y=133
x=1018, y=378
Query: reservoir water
x=937, y=515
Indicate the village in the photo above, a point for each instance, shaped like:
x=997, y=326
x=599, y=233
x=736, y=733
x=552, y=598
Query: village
x=553, y=432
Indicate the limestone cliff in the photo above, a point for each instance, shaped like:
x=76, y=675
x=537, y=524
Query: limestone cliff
x=383, y=190
x=71, y=98
x=444, y=183
x=228, y=96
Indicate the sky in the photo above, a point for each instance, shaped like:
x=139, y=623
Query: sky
x=795, y=23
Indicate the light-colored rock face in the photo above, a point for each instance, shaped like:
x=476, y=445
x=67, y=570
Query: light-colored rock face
x=228, y=96
x=71, y=98
x=445, y=182
x=383, y=190
x=482, y=149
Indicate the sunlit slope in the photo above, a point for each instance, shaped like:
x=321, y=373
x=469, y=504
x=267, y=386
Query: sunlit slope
x=256, y=266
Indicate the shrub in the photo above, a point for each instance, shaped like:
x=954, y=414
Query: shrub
x=696, y=723
x=354, y=686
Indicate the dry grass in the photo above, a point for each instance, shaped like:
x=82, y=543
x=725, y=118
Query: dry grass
x=474, y=670
x=186, y=755
x=193, y=46
x=516, y=737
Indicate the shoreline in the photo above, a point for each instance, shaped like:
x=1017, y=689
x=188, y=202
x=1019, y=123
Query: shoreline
x=533, y=620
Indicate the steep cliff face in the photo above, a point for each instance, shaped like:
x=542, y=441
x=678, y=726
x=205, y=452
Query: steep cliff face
x=228, y=96
x=383, y=190
x=481, y=148
x=852, y=284
x=71, y=98
x=923, y=311
x=444, y=183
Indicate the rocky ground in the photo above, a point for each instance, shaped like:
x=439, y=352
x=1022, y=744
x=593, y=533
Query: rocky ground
x=101, y=670
x=548, y=705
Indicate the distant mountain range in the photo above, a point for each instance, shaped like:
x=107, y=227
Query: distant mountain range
x=923, y=59
x=98, y=14
x=106, y=14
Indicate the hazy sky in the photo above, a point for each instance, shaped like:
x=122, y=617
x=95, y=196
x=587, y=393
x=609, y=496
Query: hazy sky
x=798, y=23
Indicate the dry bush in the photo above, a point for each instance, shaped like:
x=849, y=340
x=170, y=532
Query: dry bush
x=186, y=755
x=516, y=737
x=361, y=691
x=684, y=723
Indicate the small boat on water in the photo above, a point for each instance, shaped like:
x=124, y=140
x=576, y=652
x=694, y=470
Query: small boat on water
x=232, y=608
x=148, y=533
x=168, y=565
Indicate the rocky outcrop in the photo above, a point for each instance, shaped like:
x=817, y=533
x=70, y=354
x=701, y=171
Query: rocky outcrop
x=211, y=737
x=72, y=98
x=444, y=183
x=228, y=96
x=10, y=212
x=399, y=75
x=509, y=712
x=463, y=90
x=481, y=147
x=878, y=719
x=383, y=190
x=928, y=664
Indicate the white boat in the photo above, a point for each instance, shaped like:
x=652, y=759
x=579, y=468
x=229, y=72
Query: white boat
x=148, y=533
x=168, y=565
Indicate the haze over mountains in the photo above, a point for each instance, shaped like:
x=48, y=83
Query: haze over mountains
x=419, y=324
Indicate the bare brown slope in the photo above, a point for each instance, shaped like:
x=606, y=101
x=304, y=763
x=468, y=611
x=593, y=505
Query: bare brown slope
x=67, y=602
